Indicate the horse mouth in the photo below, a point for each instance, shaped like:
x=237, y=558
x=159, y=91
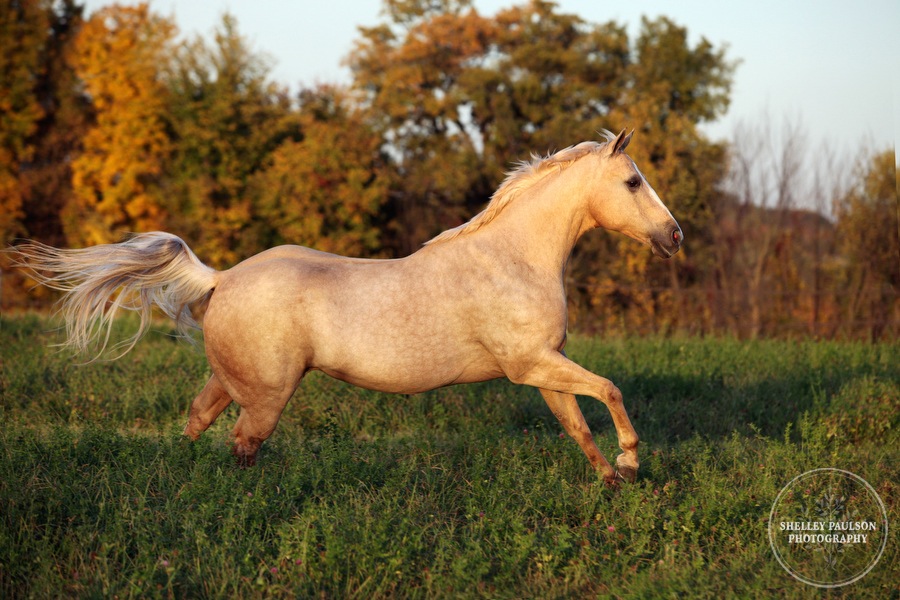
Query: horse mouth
x=668, y=244
x=661, y=251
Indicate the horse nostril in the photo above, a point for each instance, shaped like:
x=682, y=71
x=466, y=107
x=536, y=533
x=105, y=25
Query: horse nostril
x=677, y=236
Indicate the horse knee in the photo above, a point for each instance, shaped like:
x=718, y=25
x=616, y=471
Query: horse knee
x=612, y=396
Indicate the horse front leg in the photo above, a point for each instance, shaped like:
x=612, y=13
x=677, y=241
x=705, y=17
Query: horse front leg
x=559, y=380
x=566, y=410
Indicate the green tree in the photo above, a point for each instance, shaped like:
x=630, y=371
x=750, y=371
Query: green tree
x=324, y=190
x=869, y=241
x=457, y=97
x=226, y=119
x=555, y=78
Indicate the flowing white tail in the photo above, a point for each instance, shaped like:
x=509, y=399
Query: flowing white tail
x=148, y=269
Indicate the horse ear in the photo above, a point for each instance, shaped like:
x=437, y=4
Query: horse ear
x=621, y=142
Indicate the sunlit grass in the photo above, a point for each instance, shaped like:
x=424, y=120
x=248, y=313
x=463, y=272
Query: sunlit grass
x=468, y=491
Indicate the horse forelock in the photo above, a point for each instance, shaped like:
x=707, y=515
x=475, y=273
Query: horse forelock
x=526, y=174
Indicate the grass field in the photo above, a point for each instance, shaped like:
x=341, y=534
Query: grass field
x=468, y=491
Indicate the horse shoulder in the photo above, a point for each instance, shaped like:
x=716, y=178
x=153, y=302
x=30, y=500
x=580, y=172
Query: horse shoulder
x=514, y=308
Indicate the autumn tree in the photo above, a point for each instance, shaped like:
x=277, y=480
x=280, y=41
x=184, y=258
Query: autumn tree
x=47, y=176
x=42, y=116
x=407, y=73
x=668, y=88
x=22, y=36
x=458, y=97
x=120, y=54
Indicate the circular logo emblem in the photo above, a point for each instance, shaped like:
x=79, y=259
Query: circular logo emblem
x=828, y=528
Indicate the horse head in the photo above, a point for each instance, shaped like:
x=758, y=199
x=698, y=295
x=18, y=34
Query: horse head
x=624, y=201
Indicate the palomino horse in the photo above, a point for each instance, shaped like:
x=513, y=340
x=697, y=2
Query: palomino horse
x=481, y=301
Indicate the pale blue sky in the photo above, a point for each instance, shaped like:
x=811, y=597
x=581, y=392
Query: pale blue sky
x=833, y=63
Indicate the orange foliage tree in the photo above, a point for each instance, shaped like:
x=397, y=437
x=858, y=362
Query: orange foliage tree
x=22, y=26
x=46, y=178
x=410, y=75
x=119, y=56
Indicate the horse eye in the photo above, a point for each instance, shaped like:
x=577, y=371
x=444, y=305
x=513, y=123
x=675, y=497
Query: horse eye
x=634, y=183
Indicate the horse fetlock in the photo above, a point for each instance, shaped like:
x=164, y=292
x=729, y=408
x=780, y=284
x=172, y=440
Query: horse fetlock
x=609, y=475
x=195, y=426
x=245, y=450
x=191, y=432
x=629, y=443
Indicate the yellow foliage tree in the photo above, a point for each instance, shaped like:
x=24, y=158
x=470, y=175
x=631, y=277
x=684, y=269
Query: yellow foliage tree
x=119, y=55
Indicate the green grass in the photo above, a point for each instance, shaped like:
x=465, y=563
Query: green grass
x=464, y=492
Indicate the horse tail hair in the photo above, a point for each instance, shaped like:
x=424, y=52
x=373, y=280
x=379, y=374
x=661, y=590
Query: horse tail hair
x=146, y=270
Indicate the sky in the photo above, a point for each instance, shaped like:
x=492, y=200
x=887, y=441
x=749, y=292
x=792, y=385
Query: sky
x=831, y=65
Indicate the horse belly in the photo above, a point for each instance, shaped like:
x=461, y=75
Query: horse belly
x=417, y=365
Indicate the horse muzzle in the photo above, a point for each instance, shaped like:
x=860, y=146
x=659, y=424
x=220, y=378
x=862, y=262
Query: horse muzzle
x=667, y=243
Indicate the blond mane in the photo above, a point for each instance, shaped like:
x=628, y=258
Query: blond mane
x=526, y=174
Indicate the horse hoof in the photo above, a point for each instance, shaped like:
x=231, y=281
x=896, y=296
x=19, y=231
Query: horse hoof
x=244, y=459
x=626, y=472
x=609, y=478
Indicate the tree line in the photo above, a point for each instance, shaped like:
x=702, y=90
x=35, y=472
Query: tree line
x=111, y=124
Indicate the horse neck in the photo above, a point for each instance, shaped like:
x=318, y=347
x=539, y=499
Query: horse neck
x=542, y=225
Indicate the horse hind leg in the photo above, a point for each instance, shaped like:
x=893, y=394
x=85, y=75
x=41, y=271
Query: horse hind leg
x=206, y=407
x=260, y=413
x=255, y=424
x=262, y=404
